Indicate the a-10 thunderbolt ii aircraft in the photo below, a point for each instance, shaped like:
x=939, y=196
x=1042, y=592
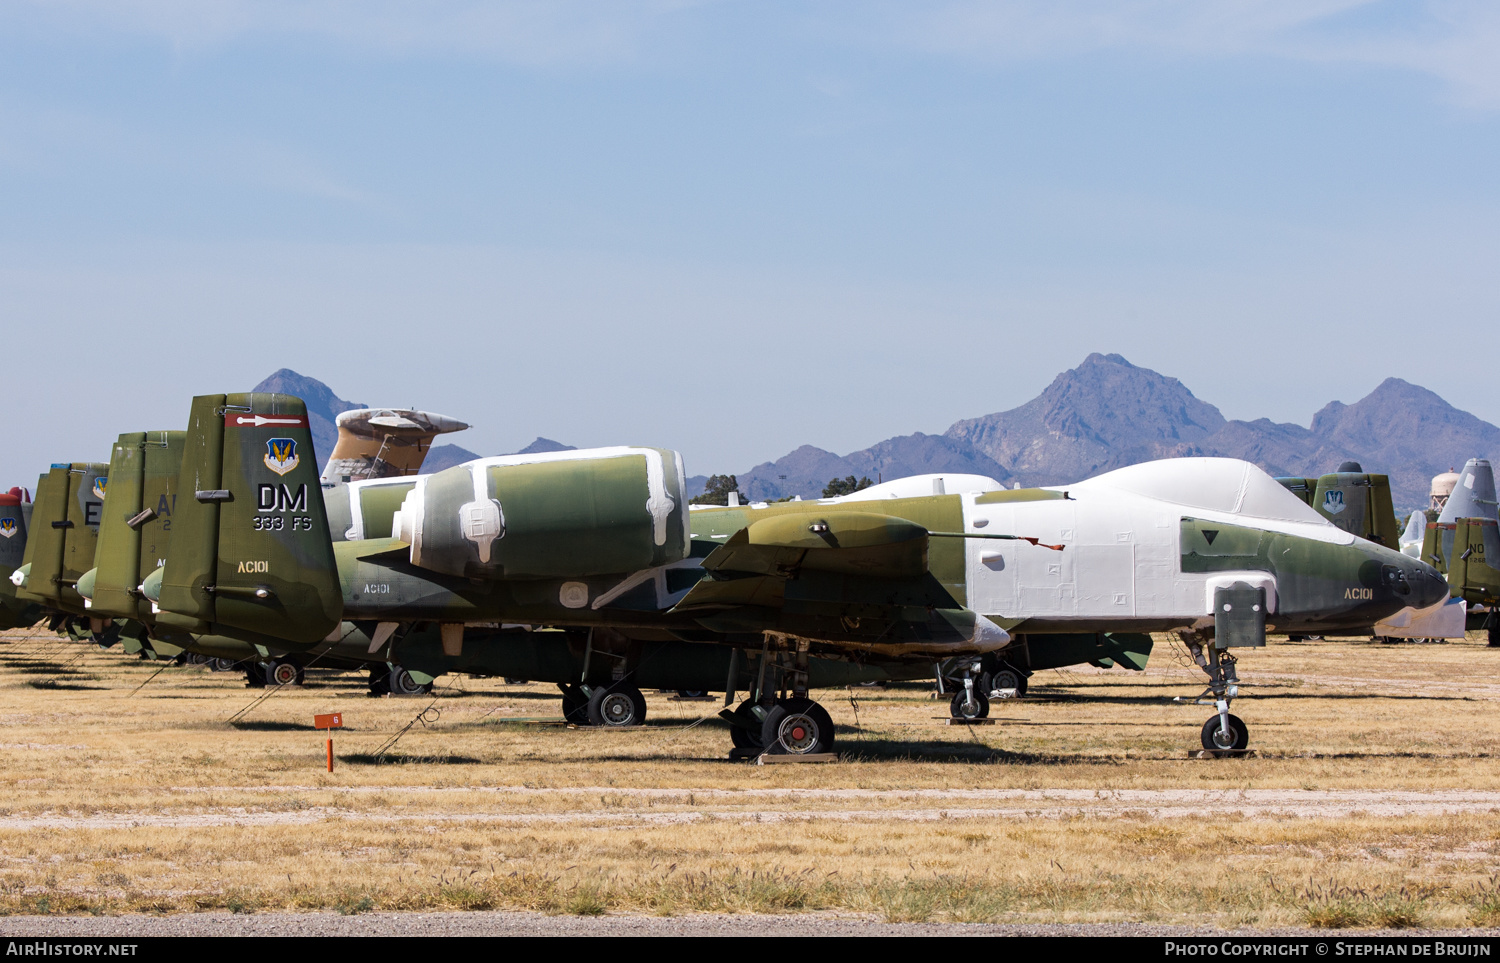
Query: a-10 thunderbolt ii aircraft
x=1213, y=549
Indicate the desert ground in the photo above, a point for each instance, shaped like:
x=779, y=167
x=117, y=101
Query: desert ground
x=1372, y=799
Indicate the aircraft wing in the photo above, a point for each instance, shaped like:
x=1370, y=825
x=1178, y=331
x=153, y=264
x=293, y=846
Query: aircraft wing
x=853, y=582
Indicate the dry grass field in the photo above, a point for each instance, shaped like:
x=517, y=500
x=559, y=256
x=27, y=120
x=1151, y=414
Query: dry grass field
x=1372, y=799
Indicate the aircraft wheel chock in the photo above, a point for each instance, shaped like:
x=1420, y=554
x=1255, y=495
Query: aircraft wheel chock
x=1220, y=742
x=617, y=706
x=962, y=708
x=797, y=727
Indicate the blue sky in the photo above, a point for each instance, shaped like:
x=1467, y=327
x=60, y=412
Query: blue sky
x=735, y=228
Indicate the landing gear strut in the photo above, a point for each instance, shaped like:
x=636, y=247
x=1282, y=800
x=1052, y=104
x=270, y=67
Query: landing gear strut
x=1223, y=734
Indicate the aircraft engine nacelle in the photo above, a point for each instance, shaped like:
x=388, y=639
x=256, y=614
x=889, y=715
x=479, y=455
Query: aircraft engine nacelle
x=565, y=514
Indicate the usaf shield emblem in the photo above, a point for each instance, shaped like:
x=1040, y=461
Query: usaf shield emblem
x=281, y=455
x=1333, y=502
x=100, y=484
x=8, y=527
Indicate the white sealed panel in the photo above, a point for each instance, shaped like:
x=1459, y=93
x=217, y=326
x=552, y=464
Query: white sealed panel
x=1122, y=554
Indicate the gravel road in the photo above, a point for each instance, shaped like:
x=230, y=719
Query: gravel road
x=538, y=924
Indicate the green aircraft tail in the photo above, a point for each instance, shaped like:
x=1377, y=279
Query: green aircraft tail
x=14, y=513
x=250, y=555
x=1360, y=504
x=1476, y=548
x=137, y=520
x=62, y=534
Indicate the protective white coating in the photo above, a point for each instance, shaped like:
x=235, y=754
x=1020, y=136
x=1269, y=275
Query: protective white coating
x=914, y=486
x=1121, y=531
x=482, y=520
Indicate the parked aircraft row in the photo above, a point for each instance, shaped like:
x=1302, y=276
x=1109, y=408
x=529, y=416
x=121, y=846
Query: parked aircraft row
x=589, y=568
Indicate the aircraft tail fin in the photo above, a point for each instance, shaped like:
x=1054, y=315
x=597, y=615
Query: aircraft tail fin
x=1416, y=529
x=250, y=552
x=14, y=513
x=137, y=520
x=1474, y=495
x=381, y=442
x=1476, y=550
x=62, y=533
x=1360, y=504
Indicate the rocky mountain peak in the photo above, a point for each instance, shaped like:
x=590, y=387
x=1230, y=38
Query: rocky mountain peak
x=323, y=406
x=1103, y=414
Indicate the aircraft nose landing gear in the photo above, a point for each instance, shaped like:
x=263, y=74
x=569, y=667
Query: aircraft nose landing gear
x=1224, y=734
x=972, y=701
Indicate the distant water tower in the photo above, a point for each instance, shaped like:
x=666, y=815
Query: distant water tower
x=1442, y=487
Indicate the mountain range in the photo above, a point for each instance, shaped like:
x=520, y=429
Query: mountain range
x=1104, y=414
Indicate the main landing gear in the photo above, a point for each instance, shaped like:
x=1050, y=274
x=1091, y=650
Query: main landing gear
x=277, y=672
x=613, y=706
x=777, y=717
x=386, y=679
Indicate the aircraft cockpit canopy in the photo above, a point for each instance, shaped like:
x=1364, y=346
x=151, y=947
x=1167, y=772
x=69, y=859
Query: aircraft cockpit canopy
x=1221, y=485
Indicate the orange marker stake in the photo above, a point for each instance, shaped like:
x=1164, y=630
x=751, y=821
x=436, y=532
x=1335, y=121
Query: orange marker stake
x=332, y=720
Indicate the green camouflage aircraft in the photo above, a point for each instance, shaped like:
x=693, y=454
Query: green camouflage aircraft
x=601, y=542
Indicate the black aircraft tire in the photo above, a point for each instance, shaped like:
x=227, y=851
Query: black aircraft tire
x=284, y=673
x=222, y=665
x=1007, y=677
x=797, y=727
x=960, y=709
x=401, y=683
x=615, y=706
x=380, y=681
x=1213, y=739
